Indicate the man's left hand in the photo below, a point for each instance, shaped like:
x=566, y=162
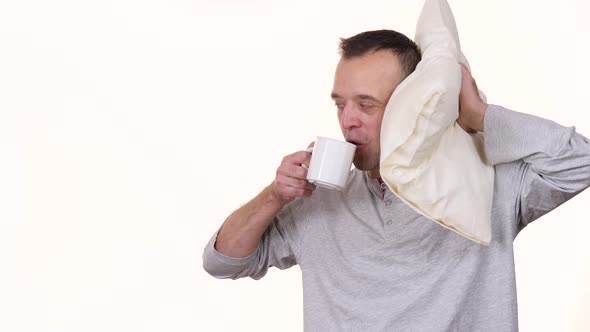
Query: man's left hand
x=471, y=107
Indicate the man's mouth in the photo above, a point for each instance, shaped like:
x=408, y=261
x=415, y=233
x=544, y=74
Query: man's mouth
x=353, y=142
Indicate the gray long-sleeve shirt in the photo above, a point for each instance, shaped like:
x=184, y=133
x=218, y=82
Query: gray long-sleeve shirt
x=371, y=263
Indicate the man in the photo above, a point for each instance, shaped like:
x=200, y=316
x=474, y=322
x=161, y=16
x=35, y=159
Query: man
x=369, y=262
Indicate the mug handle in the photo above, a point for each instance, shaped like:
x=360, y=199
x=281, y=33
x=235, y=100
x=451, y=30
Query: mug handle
x=308, y=150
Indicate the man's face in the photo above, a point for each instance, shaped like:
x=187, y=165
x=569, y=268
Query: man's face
x=362, y=87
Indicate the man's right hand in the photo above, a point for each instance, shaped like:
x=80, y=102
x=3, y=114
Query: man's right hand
x=291, y=178
x=242, y=230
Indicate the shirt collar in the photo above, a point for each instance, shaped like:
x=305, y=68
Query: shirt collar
x=376, y=186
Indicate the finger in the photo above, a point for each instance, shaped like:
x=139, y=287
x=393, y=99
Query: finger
x=293, y=183
x=308, y=190
x=306, y=161
x=300, y=192
x=292, y=192
x=466, y=75
x=297, y=158
x=291, y=188
x=292, y=171
x=307, y=193
x=464, y=68
x=291, y=174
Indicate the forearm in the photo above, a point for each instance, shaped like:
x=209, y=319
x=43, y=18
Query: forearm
x=552, y=162
x=242, y=230
x=555, y=151
x=243, y=247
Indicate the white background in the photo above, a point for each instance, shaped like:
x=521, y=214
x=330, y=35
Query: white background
x=129, y=130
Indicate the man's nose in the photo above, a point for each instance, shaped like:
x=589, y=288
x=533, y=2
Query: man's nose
x=349, y=117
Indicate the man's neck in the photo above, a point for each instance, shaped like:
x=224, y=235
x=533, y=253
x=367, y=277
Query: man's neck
x=374, y=173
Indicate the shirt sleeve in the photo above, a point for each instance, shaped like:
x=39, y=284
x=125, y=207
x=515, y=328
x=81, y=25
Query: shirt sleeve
x=554, y=160
x=278, y=247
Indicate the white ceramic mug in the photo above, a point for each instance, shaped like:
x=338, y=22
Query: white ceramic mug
x=330, y=163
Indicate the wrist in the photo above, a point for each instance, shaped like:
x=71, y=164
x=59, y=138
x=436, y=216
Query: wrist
x=274, y=197
x=480, y=112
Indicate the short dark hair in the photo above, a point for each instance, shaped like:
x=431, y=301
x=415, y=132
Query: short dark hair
x=371, y=41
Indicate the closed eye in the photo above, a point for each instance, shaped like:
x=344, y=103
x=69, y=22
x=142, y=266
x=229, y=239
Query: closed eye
x=366, y=102
x=366, y=107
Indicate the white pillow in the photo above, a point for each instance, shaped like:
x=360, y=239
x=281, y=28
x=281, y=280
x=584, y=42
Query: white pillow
x=427, y=159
